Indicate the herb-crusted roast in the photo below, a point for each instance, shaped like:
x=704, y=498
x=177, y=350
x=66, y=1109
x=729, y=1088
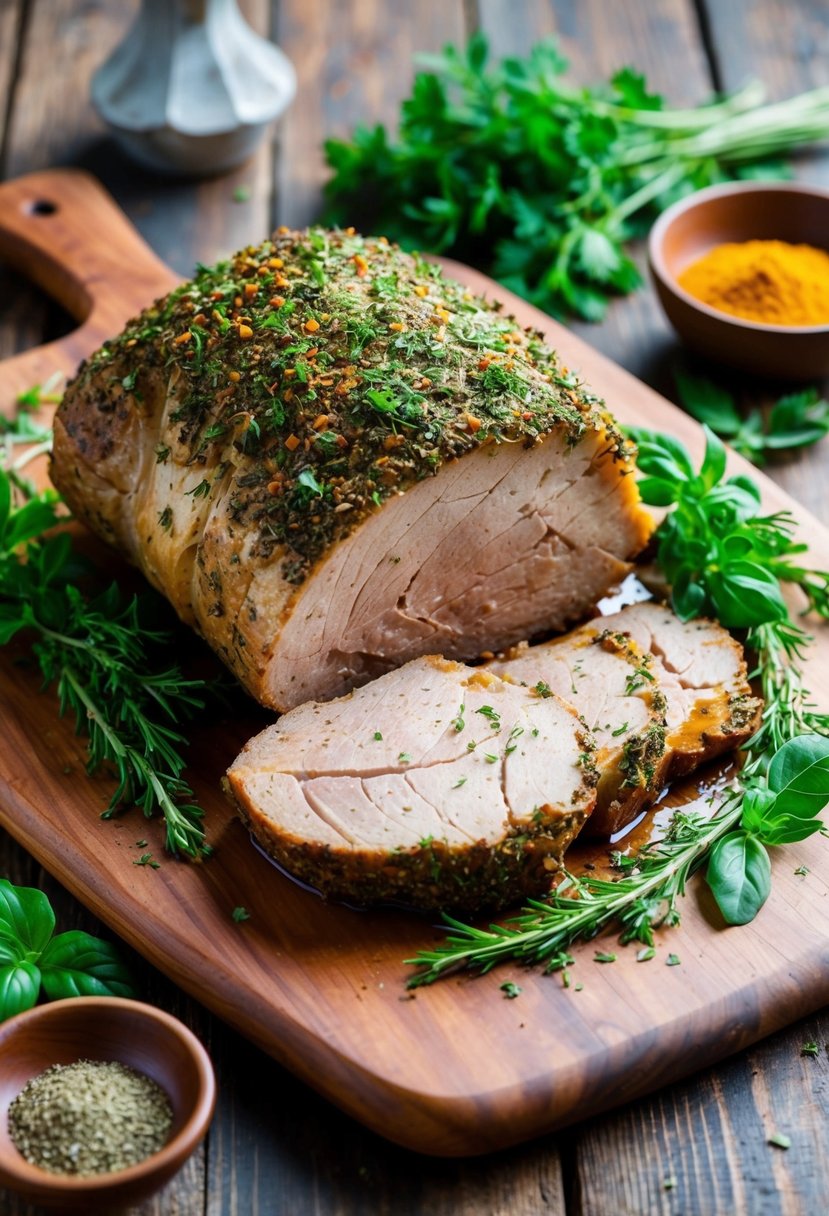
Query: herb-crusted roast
x=331, y=459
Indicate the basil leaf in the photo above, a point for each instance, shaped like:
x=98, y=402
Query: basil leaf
x=709, y=403
x=5, y=500
x=757, y=803
x=19, y=988
x=78, y=964
x=657, y=492
x=799, y=775
x=713, y=465
x=26, y=916
x=787, y=829
x=746, y=594
x=739, y=875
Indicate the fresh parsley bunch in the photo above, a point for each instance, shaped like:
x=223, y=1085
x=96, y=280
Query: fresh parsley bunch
x=542, y=182
x=33, y=959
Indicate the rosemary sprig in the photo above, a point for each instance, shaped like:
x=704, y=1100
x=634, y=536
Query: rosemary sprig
x=99, y=651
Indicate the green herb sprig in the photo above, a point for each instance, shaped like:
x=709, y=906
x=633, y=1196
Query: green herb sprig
x=795, y=421
x=99, y=652
x=33, y=959
x=541, y=182
x=721, y=558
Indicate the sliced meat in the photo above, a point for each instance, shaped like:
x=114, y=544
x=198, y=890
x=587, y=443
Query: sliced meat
x=710, y=707
x=436, y=786
x=612, y=685
x=332, y=460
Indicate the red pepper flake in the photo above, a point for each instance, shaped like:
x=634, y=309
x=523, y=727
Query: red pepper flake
x=276, y=301
x=360, y=264
x=320, y=422
x=245, y=331
x=251, y=289
x=200, y=319
x=311, y=326
x=526, y=415
x=473, y=423
x=292, y=443
x=398, y=327
x=185, y=337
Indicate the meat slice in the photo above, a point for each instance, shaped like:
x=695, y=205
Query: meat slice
x=332, y=460
x=612, y=685
x=436, y=786
x=661, y=695
x=710, y=707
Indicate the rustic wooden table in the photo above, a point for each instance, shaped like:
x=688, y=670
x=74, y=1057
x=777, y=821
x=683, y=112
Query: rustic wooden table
x=699, y=1148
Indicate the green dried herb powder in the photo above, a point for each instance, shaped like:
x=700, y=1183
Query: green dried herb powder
x=92, y=1117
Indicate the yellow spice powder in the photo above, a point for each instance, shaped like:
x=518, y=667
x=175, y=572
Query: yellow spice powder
x=767, y=281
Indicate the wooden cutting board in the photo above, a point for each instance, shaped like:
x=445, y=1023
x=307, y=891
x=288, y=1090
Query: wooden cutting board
x=455, y=1068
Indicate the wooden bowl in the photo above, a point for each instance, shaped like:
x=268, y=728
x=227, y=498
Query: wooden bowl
x=741, y=211
x=105, y=1028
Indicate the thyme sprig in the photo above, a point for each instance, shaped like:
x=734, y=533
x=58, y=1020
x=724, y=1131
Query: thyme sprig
x=722, y=557
x=99, y=651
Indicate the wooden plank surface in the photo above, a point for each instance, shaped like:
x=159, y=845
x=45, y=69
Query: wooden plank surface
x=311, y=1156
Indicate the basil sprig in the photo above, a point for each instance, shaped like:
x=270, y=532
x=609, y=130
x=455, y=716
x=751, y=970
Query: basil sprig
x=780, y=809
x=32, y=958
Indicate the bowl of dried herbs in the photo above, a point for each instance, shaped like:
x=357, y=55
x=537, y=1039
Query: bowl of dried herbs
x=102, y=1100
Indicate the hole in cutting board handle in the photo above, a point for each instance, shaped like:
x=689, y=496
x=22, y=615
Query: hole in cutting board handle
x=41, y=206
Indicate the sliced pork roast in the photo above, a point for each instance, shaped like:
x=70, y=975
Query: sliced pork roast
x=611, y=684
x=661, y=695
x=331, y=460
x=436, y=785
x=701, y=668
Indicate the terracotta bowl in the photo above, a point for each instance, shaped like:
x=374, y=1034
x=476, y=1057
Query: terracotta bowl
x=741, y=211
x=105, y=1028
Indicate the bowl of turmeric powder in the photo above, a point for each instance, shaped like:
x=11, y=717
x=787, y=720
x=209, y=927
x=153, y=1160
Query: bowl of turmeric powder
x=742, y=271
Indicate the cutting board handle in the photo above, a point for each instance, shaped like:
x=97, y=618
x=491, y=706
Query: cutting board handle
x=64, y=231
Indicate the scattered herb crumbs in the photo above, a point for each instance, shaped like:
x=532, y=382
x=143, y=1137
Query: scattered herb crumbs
x=601, y=957
x=129, y=380
x=241, y=194
x=147, y=859
x=510, y=990
x=809, y=1049
x=578, y=987
x=673, y=960
x=378, y=735
x=490, y=758
x=802, y=871
x=459, y=722
x=543, y=689
x=620, y=730
x=404, y=758
x=141, y=844
x=239, y=914
x=471, y=745
x=165, y=518
x=668, y=1184
x=645, y=954
x=491, y=715
x=461, y=781
x=565, y=979
x=779, y=1140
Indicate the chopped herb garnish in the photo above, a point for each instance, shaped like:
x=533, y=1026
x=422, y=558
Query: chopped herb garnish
x=779, y=1140
x=165, y=518
x=802, y=871
x=510, y=990
x=490, y=714
x=146, y=859
x=543, y=689
x=239, y=914
x=404, y=758
x=461, y=781
x=620, y=730
x=645, y=954
x=673, y=960
x=810, y=1049
x=377, y=736
x=459, y=723
x=601, y=957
